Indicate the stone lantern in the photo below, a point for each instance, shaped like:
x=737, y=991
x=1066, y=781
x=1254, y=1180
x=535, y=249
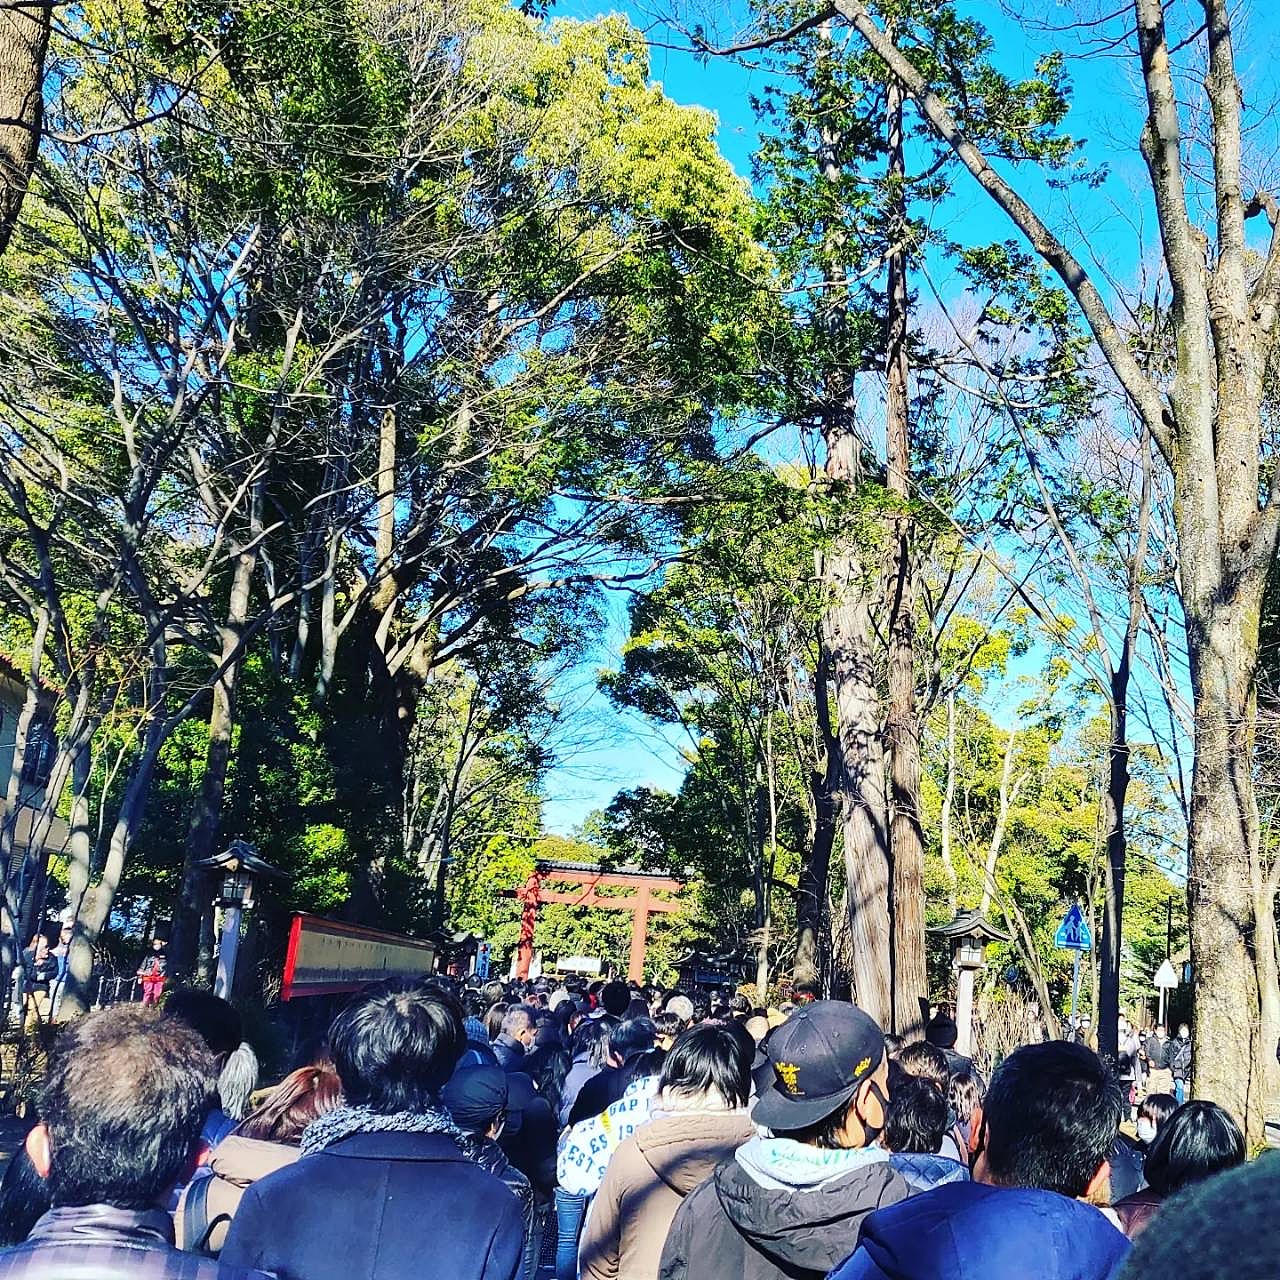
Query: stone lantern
x=241, y=869
x=969, y=934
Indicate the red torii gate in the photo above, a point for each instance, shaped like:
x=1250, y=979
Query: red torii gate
x=532, y=895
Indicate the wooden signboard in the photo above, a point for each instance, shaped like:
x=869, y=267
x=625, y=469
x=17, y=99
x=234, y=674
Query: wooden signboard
x=328, y=956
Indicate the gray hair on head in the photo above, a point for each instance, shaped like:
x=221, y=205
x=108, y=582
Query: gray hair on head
x=238, y=1080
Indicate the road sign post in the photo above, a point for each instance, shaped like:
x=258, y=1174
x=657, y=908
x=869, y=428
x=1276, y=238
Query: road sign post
x=1074, y=935
x=1165, y=981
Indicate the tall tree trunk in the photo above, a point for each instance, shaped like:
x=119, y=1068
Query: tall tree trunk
x=850, y=638
x=13, y=860
x=902, y=726
x=815, y=866
x=1110, y=951
x=1224, y=838
x=24, y=40
x=75, y=998
x=206, y=816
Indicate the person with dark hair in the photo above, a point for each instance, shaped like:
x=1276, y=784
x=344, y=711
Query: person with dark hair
x=39, y=972
x=942, y=1032
x=220, y=1026
x=915, y=1126
x=264, y=1141
x=627, y=1041
x=1153, y=1111
x=1129, y=1154
x=479, y=1052
x=1221, y=1228
x=1155, y=1054
x=926, y=1061
x=923, y=1061
x=615, y=999
x=121, y=1109
x=697, y=1121
x=382, y=1176
x=588, y=1049
x=153, y=972
x=965, y=1094
x=668, y=1027
x=493, y=1021
x=476, y=1098
x=789, y=1206
x=584, y=1153
x=550, y=1038
x=530, y=1136
x=1051, y=1114
x=1197, y=1141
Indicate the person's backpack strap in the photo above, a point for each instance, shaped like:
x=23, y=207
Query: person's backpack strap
x=196, y=1227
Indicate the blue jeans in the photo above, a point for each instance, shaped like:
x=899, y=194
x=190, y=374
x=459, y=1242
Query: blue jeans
x=1180, y=1091
x=571, y=1213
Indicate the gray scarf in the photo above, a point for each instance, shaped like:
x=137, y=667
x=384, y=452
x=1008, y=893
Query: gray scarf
x=335, y=1125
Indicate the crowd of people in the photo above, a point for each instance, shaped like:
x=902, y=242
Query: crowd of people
x=468, y=1132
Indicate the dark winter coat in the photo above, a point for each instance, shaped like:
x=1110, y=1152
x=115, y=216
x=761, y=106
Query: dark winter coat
x=509, y=1052
x=379, y=1206
x=530, y=1144
x=972, y=1231
x=1157, y=1053
x=734, y=1228
x=1179, y=1055
x=493, y=1160
x=1126, y=1163
x=1136, y=1211
x=581, y=1069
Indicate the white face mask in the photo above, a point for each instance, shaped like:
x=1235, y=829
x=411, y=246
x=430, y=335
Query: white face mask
x=1146, y=1130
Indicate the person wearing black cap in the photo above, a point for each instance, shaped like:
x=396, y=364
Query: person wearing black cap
x=477, y=1098
x=789, y=1206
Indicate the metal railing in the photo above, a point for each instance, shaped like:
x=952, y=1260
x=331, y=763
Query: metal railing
x=104, y=989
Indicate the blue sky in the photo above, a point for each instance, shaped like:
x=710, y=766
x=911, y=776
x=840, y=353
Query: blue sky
x=1107, y=225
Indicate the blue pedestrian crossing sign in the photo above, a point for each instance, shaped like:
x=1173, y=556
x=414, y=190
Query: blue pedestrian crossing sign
x=1073, y=933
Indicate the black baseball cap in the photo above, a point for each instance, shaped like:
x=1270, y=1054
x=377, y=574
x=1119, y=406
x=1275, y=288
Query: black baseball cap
x=816, y=1059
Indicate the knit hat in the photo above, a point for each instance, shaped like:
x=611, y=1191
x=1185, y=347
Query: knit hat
x=475, y=1096
x=475, y=1030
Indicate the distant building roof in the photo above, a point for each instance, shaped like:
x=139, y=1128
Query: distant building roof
x=549, y=866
